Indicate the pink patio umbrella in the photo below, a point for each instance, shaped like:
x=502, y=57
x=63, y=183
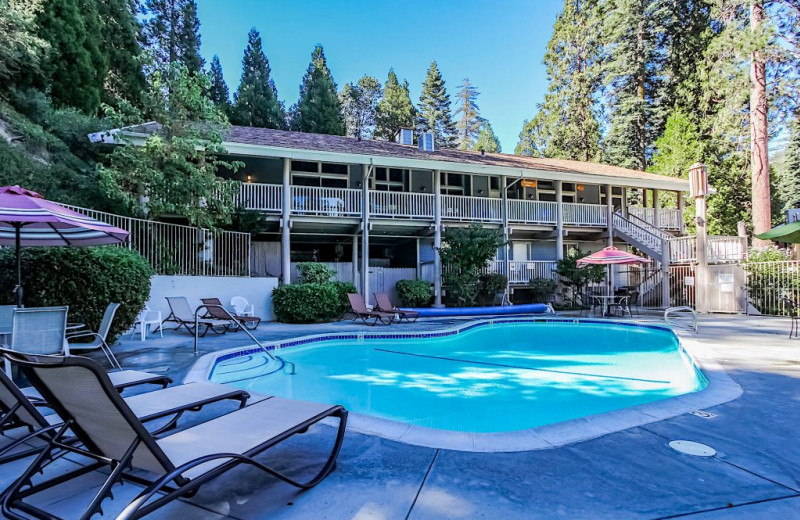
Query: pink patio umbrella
x=611, y=256
x=27, y=219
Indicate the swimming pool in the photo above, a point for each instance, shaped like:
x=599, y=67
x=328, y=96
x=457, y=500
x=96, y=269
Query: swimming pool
x=486, y=378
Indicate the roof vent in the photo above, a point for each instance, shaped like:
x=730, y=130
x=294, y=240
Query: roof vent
x=405, y=136
x=426, y=142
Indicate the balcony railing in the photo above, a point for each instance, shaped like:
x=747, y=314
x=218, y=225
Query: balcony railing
x=585, y=214
x=329, y=202
x=719, y=249
x=668, y=218
x=473, y=209
x=262, y=197
x=389, y=204
x=523, y=271
x=532, y=211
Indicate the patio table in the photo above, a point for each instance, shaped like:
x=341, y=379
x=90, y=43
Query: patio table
x=608, y=300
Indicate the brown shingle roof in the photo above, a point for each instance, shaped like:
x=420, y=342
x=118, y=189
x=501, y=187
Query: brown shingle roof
x=348, y=145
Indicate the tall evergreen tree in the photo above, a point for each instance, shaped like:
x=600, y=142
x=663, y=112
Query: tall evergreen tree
x=789, y=184
x=318, y=110
x=469, y=123
x=359, y=106
x=75, y=68
x=125, y=81
x=633, y=34
x=434, y=109
x=487, y=140
x=172, y=34
x=395, y=109
x=566, y=125
x=20, y=45
x=218, y=89
x=256, y=100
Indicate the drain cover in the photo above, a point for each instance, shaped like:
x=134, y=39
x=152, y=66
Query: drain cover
x=693, y=448
x=703, y=414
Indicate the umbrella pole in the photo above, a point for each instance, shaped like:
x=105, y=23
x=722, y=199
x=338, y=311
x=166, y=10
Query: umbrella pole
x=18, y=288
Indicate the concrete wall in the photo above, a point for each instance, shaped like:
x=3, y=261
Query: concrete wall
x=258, y=291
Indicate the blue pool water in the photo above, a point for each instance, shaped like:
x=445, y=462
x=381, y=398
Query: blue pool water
x=494, y=378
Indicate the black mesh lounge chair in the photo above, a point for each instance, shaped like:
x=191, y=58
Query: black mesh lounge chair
x=110, y=433
x=20, y=411
x=358, y=309
x=218, y=312
x=385, y=305
x=182, y=314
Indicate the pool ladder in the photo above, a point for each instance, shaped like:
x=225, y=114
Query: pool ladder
x=683, y=308
x=292, y=368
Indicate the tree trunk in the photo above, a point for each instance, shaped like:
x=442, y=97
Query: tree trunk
x=759, y=157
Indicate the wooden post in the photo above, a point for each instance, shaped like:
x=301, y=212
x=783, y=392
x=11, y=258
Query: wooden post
x=559, y=221
x=437, y=239
x=656, y=220
x=286, y=223
x=701, y=280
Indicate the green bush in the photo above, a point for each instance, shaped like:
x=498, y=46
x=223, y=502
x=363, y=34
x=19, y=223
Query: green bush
x=311, y=302
x=414, y=293
x=489, y=285
x=87, y=279
x=542, y=289
x=314, y=272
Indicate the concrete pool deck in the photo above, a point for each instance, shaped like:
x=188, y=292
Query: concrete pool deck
x=628, y=474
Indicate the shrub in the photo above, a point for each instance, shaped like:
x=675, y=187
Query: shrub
x=414, y=293
x=86, y=279
x=542, y=289
x=342, y=288
x=314, y=272
x=465, y=252
x=310, y=302
x=490, y=284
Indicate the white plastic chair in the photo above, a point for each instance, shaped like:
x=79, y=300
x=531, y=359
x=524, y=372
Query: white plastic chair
x=146, y=319
x=242, y=306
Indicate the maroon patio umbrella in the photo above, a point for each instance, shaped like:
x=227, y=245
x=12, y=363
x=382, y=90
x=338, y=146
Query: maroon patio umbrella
x=27, y=219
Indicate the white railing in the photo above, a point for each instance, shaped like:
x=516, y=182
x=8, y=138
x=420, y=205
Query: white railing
x=773, y=288
x=668, y=218
x=522, y=271
x=262, y=197
x=683, y=249
x=638, y=233
x=648, y=226
x=726, y=249
x=396, y=204
x=173, y=249
x=532, y=211
x=584, y=214
x=329, y=202
x=481, y=209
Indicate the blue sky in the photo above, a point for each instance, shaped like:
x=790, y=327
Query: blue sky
x=499, y=45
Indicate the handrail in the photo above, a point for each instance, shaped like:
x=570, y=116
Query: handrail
x=642, y=223
x=242, y=327
x=683, y=308
x=644, y=236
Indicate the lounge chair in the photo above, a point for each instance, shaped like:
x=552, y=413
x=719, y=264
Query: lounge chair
x=42, y=330
x=183, y=315
x=18, y=410
x=359, y=310
x=111, y=434
x=385, y=305
x=218, y=312
x=98, y=338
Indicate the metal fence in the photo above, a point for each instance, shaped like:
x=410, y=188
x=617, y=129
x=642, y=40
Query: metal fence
x=773, y=288
x=173, y=249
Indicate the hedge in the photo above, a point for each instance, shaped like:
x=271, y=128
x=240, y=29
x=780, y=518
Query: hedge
x=86, y=279
x=311, y=302
x=414, y=293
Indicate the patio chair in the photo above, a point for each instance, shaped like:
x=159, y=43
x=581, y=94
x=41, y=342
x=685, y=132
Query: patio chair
x=145, y=319
x=242, y=307
x=183, y=315
x=385, y=305
x=42, y=330
x=179, y=463
x=633, y=302
x=98, y=339
x=18, y=410
x=359, y=310
x=792, y=309
x=6, y=321
x=619, y=305
x=218, y=312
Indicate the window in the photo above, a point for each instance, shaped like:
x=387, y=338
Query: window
x=548, y=197
x=340, y=169
x=494, y=183
x=568, y=186
x=389, y=179
x=568, y=198
x=304, y=166
x=324, y=175
x=452, y=183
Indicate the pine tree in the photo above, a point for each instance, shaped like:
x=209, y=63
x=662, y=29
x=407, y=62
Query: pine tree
x=566, y=124
x=395, y=110
x=469, y=124
x=487, y=140
x=318, y=110
x=256, y=100
x=172, y=34
x=75, y=68
x=218, y=89
x=434, y=109
x=789, y=184
x=20, y=45
x=125, y=81
x=359, y=106
x=633, y=34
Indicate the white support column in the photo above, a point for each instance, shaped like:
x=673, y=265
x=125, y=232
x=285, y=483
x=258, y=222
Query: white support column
x=354, y=261
x=506, y=237
x=559, y=221
x=665, y=285
x=701, y=275
x=286, y=223
x=609, y=215
x=656, y=209
x=365, y=234
x=437, y=239
x=679, y=196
